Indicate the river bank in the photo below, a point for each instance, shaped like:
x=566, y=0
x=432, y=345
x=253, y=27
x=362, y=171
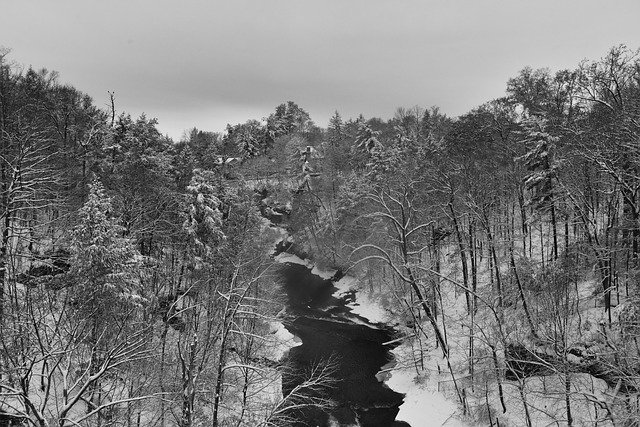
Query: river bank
x=321, y=314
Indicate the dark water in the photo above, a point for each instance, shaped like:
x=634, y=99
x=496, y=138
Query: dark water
x=329, y=330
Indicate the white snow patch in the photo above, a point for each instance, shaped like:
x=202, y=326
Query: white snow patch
x=294, y=259
x=281, y=340
x=346, y=284
x=369, y=309
x=325, y=274
x=422, y=406
x=365, y=304
x=335, y=423
x=284, y=258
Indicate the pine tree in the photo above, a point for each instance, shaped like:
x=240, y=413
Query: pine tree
x=106, y=291
x=335, y=130
x=203, y=223
x=102, y=263
x=542, y=177
x=251, y=138
x=367, y=138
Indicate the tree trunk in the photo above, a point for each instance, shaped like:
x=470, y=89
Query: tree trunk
x=566, y=235
x=525, y=306
x=494, y=257
x=496, y=367
x=523, y=219
x=163, y=340
x=567, y=397
x=219, y=378
x=188, y=384
x=463, y=256
x=428, y=312
x=554, y=226
x=474, y=267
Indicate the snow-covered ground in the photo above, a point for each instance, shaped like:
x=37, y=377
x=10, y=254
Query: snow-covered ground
x=365, y=305
x=424, y=405
x=431, y=399
x=280, y=341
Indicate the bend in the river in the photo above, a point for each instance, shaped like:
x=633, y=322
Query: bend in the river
x=329, y=330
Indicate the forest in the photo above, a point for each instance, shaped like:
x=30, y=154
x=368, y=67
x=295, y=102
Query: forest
x=140, y=280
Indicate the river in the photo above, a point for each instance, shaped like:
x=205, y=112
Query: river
x=329, y=330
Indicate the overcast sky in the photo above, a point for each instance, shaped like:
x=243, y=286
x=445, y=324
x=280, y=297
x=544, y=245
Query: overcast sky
x=207, y=63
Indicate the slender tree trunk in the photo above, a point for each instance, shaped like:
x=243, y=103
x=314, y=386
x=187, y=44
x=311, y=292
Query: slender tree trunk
x=463, y=256
x=427, y=311
x=474, y=267
x=567, y=397
x=523, y=397
x=219, y=378
x=605, y=277
x=541, y=245
x=554, y=226
x=189, y=384
x=163, y=339
x=566, y=235
x=525, y=306
x=496, y=366
x=635, y=233
x=494, y=257
x=523, y=219
x=472, y=349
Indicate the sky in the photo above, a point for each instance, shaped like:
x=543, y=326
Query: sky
x=206, y=63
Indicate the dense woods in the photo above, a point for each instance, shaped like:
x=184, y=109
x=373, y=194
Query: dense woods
x=137, y=285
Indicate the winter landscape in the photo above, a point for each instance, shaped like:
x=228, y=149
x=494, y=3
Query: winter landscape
x=470, y=264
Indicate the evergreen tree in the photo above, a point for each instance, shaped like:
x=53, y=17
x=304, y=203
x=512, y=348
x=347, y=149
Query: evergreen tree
x=541, y=180
x=102, y=263
x=203, y=223
x=335, y=130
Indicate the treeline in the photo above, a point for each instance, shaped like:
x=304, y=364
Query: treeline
x=136, y=284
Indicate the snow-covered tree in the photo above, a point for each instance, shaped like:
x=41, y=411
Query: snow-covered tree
x=335, y=130
x=102, y=263
x=203, y=223
x=542, y=166
x=251, y=138
x=367, y=138
x=106, y=294
x=288, y=118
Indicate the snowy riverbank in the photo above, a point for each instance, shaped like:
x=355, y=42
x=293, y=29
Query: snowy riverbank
x=424, y=405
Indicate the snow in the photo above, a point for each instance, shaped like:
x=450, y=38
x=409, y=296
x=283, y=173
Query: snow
x=325, y=274
x=424, y=405
x=280, y=341
x=294, y=259
x=365, y=305
x=431, y=399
